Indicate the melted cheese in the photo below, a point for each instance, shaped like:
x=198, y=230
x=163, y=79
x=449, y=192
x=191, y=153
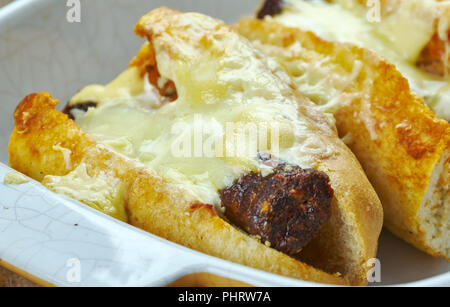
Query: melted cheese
x=66, y=154
x=100, y=192
x=128, y=85
x=15, y=178
x=228, y=83
x=399, y=37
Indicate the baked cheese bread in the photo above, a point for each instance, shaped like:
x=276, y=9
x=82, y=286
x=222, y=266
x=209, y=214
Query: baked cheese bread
x=403, y=147
x=413, y=35
x=131, y=147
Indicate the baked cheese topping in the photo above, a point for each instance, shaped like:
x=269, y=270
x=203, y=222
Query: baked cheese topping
x=15, y=178
x=331, y=82
x=399, y=37
x=101, y=192
x=222, y=81
x=127, y=86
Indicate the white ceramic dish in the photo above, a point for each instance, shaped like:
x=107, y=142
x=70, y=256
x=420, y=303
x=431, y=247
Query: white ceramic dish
x=44, y=234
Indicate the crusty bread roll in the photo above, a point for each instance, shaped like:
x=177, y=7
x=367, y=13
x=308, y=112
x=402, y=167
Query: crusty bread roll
x=46, y=142
x=403, y=147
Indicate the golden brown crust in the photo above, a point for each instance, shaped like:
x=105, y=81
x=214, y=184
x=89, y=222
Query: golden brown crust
x=29, y=128
x=395, y=136
x=152, y=203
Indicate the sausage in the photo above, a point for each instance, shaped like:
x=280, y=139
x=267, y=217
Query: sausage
x=79, y=106
x=286, y=209
x=270, y=8
x=432, y=57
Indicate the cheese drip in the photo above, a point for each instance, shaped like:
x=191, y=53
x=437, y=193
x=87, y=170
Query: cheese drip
x=101, y=192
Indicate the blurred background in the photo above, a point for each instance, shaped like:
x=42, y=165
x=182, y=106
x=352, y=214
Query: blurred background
x=4, y=2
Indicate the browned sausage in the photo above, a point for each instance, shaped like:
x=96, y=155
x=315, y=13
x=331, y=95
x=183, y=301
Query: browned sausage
x=286, y=208
x=432, y=57
x=79, y=106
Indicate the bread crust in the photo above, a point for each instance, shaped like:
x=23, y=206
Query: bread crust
x=396, y=137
